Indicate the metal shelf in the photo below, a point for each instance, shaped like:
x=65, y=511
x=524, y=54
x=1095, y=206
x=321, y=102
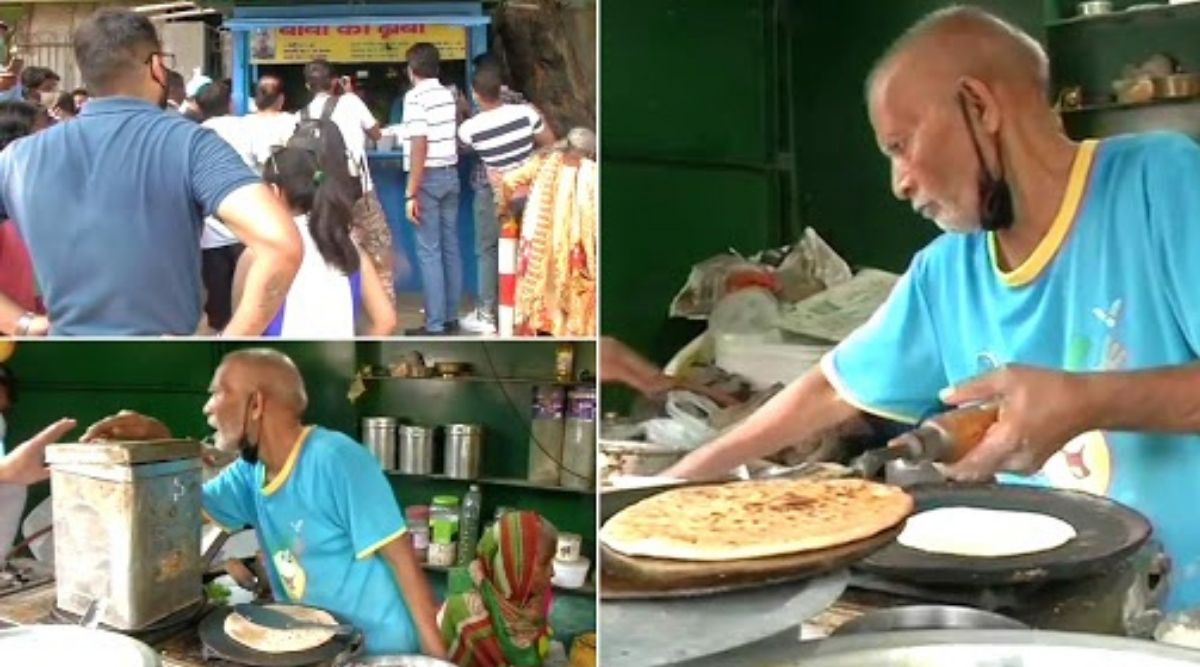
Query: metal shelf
x=498, y=481
x=481, y=378
x=1131, y=106
x=588, y=587
x=1187, y=10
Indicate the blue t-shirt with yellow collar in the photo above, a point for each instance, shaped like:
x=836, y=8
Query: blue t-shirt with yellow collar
x=320, y=523
x=1114, y=285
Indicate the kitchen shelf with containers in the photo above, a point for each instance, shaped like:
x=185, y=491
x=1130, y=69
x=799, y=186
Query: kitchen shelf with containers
x=470, y=438
x=1125, y=66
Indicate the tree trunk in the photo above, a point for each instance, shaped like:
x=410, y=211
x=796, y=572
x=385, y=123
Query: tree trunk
x=549, y=49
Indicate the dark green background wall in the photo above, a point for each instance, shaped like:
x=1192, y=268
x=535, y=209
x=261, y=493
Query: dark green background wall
x=692, y=137
x=736, y=124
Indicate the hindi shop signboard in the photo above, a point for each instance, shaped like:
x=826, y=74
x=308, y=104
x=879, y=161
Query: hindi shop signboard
x=291, y=45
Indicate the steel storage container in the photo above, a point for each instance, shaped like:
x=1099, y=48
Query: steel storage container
x=379, y=435
x=127, y=529
x=416, y=450
x=464, y=450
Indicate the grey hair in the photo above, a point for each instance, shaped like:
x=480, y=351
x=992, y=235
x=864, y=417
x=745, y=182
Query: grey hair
x=274, y=373
x=582, y=140
x=958, y=19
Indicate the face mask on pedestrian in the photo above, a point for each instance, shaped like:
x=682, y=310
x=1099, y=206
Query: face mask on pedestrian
x=995, y=197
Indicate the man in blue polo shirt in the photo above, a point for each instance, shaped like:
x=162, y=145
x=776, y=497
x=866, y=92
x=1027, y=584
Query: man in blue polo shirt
x=1065, y=288
x=111, y=205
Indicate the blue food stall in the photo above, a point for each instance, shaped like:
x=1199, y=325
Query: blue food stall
x=367, y=43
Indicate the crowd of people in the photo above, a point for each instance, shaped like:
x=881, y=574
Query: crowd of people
x=261, y=224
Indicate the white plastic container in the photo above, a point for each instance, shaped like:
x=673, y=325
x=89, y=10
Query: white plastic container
x=571, y=574
x=569, y=547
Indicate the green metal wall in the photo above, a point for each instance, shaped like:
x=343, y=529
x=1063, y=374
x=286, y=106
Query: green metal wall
x=691, y=142
x=736, y=124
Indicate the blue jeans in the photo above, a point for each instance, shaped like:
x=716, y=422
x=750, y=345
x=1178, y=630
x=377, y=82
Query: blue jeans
x=438, y=253
x=487, y=252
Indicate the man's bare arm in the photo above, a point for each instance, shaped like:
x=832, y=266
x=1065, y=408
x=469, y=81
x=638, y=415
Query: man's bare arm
x=261, y=222
x=417, y=594
x=805, y=409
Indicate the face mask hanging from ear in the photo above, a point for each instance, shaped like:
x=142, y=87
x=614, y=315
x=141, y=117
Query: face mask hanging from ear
x=248, y=449
x=995, y=197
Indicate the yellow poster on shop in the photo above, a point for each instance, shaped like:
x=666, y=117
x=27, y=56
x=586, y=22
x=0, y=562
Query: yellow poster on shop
x=352, y=43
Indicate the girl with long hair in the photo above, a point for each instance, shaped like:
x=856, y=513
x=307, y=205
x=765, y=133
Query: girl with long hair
x=336, y=280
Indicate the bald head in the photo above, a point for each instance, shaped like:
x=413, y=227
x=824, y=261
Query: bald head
x=950, y=44
x=269, y=371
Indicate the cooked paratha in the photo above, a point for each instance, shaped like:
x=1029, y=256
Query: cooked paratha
x=755, y=519
x=270, y=640
x=984, y=533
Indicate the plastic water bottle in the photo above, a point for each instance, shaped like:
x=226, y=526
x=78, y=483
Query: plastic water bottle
x=468, y=525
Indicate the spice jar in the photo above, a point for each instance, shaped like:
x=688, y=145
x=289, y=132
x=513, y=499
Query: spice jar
x=417, y=517
x=443, y=520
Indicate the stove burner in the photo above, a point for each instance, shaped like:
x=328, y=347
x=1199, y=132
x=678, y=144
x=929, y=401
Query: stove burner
x=1122, y=601
x=21, y=574
x=218, y=659
x=164, y=628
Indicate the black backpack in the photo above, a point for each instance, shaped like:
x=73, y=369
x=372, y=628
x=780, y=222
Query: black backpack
x=308, y=135
x=308, y=131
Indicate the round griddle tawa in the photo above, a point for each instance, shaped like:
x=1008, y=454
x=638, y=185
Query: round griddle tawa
x=1107, y=533
x=218, y=644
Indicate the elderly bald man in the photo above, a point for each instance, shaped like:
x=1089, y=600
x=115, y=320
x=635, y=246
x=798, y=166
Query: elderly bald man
x=1066, y=286
x=324, y=513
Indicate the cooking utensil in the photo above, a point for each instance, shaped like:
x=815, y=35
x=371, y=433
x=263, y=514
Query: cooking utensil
x=463, y=449
x=1070, y=97
x=1135, y=90
x=41, y=516
x=927, y=617
x=72, y=645
x=24, y=543
x=1107, y=533
x=1095, y=7
x=637, y=578
x=91, y=616
x=667, y=632
x=399, y=661
x=946, y=437
x=956, y=648
x=277, y=620
x=451, y=369
x=1177, y=86
x=218, y=644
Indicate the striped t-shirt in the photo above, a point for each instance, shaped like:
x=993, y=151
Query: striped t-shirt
x=503, y=137
x=430, y=111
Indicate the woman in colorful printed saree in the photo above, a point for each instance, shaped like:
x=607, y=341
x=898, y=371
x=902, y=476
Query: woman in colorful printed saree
x=497, y=611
